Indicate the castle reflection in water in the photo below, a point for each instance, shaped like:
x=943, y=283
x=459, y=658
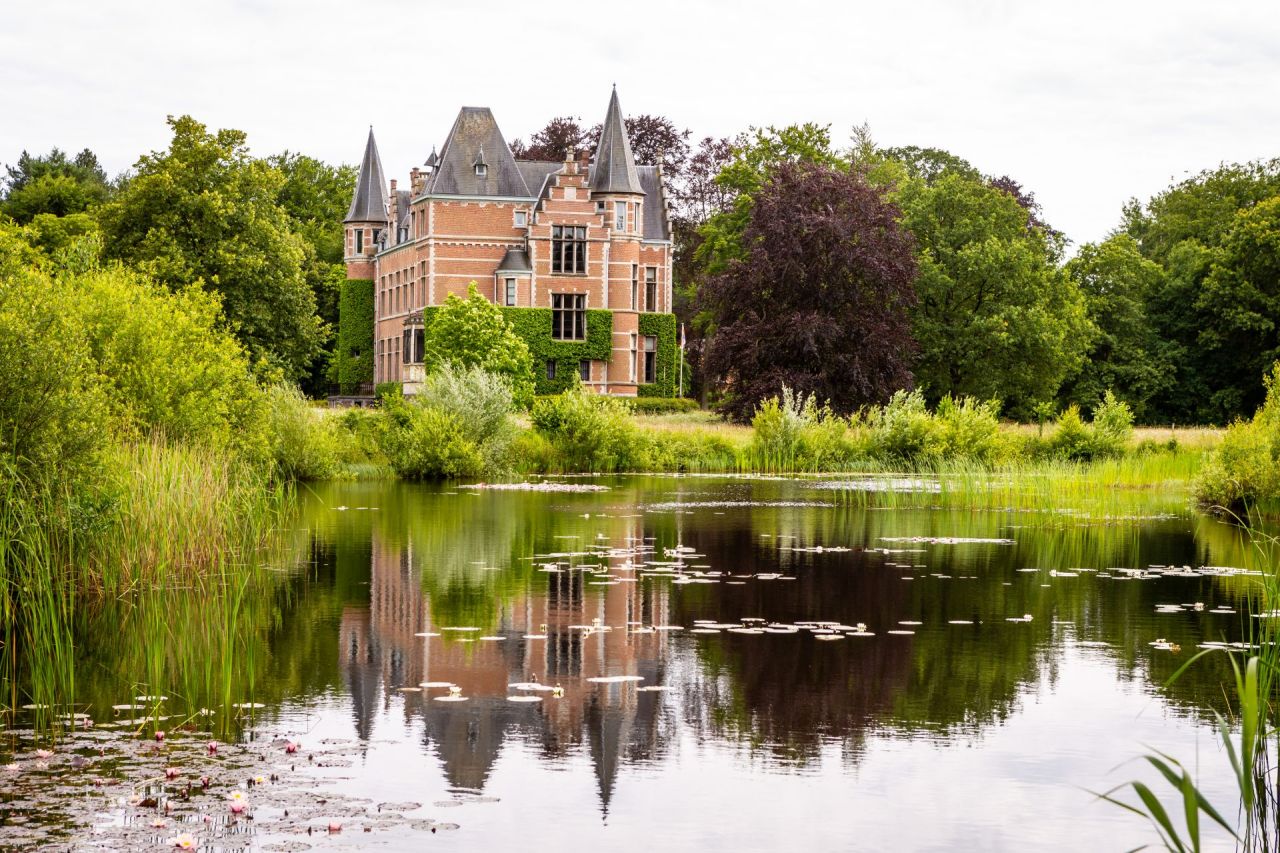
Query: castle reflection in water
x=381, y=652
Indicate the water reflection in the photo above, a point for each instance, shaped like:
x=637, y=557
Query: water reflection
x=339, y=629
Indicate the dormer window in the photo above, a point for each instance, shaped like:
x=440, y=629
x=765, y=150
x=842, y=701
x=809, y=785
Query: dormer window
x=619, y=216
x=481, y=170
x=522, y=218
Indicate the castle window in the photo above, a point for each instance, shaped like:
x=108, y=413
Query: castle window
x=584, y=370
x=511, y=291
x=551, y=370
x=635, y=286
x=481, y=170
x=569, y=249
x=651, y=288
x=569, y=316
x=359, y=241
x=522, y=218
x=619, y=216
x=650, y=358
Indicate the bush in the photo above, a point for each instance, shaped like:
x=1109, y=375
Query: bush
x=968, y=430
x=903, y=430
x=1108, y=435
x=459, y=426
x=1245, y=468
x=474, y=332
x=661, y=405
x=589, y=432
x=383, y=390
x=304, y=442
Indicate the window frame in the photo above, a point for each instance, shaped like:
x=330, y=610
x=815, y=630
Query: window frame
x=509, y=290
x=650, y=359
x=619, y=216
x=551, y=369
x=568, y=250
x=569, y=311
x=521, y=215
x=584, y=369
x=651, y=289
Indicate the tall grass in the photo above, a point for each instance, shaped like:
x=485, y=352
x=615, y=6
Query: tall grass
x=170, y=521
x=1249, y=736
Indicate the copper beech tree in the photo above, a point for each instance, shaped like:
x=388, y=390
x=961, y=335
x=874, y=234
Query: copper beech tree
x=820, y=300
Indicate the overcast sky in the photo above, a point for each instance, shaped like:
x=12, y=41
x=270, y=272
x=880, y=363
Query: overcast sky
x=1087, y=103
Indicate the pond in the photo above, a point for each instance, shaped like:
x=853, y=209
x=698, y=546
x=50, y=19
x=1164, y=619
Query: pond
x=674, y=663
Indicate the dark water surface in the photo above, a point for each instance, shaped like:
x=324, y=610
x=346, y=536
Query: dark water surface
x=972, y=732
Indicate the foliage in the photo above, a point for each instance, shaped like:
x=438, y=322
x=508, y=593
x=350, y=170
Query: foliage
x=755, y=157
x=1245, y=469
x=168, y=366
x=1106, y=436
x=206, y=213
x=533, y=326
x=53, y=408
x=820, y=300
x=1126, y=355
x=588, y=432
x=997, y=318
x=458, y=426
x=558, y=137
x=304, y=441
x=1214, y=235
x=662, y=405
x=475, y=332
x=353, y=358
x=482, y=402
x=54, y=185
x=662, y=326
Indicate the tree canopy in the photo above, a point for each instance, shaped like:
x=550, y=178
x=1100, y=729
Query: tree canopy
x=53, y=184
x=205, y=212
x=818, y=300
x=472, y=332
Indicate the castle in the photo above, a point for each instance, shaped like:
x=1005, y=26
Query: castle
x=578, y=254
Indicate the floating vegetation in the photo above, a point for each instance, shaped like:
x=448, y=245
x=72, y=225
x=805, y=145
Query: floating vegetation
x=524, y=698
x=615, y=679
x=666, y=506
x=946, y=540
x=536, y=487
x=430, y=685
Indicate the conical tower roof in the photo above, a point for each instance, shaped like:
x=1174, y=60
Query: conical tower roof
x=613, y=169
x=369, y=204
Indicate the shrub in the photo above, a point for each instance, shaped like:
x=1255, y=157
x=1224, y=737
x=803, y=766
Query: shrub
x=1112, y=426
x=425, y=443
x=1245, y=468
x=482, y=403
x=383, y=390
x=1071, y=438
x=968, y=430
x=304, y=441
x=661, y=405
x=589, y=432
x=777, y=425
x=903, y=430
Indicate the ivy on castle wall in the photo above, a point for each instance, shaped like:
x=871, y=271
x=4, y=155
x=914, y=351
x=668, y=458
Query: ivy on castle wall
x=533, y=325
x=354, y=353
x=664, y=327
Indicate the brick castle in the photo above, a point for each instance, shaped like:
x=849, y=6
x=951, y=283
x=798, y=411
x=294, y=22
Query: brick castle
x=570, y=237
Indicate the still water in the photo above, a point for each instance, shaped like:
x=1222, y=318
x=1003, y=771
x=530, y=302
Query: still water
x=833, y=674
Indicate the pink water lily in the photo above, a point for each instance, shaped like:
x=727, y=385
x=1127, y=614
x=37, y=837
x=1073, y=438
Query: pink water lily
x=238, y=800
x=171, y=773
x=335, y=826
x=212, y=746
x=159, y=822
x=11, y=766
x=185, y=841
x=159, y=735
x=291, y=747
x=44, y=753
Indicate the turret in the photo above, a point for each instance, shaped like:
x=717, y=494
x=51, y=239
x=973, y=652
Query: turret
x=615, y=183
x=367, y=218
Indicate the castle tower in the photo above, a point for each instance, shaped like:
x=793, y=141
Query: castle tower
x=367, y=217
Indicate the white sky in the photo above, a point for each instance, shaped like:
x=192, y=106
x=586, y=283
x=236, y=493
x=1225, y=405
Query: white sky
x=1086, y=103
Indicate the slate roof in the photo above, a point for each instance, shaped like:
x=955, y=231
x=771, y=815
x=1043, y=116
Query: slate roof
x=475, y=131
x=369, y=203
x=535, y=174
x=515, y=260
x=613, y=167
x=656, y=224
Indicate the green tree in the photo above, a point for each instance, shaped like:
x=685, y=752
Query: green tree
x=1195, y=232
x=54, y=184
x=472, y=332
x=315, y=195
x=997, y=318
x=205, y=212
x=1126, y=356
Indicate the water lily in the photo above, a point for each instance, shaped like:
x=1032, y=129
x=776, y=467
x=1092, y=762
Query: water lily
x=171, y=773
x=204, y=781
x=11, y=766
x=159, y=735
x=212, y=746
x=238, y=800
x=291, y=747
x=42, y=765
x=335, y=826
x=44, y=753
x=185, y=841
x=259, y=780
x=159, y=823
